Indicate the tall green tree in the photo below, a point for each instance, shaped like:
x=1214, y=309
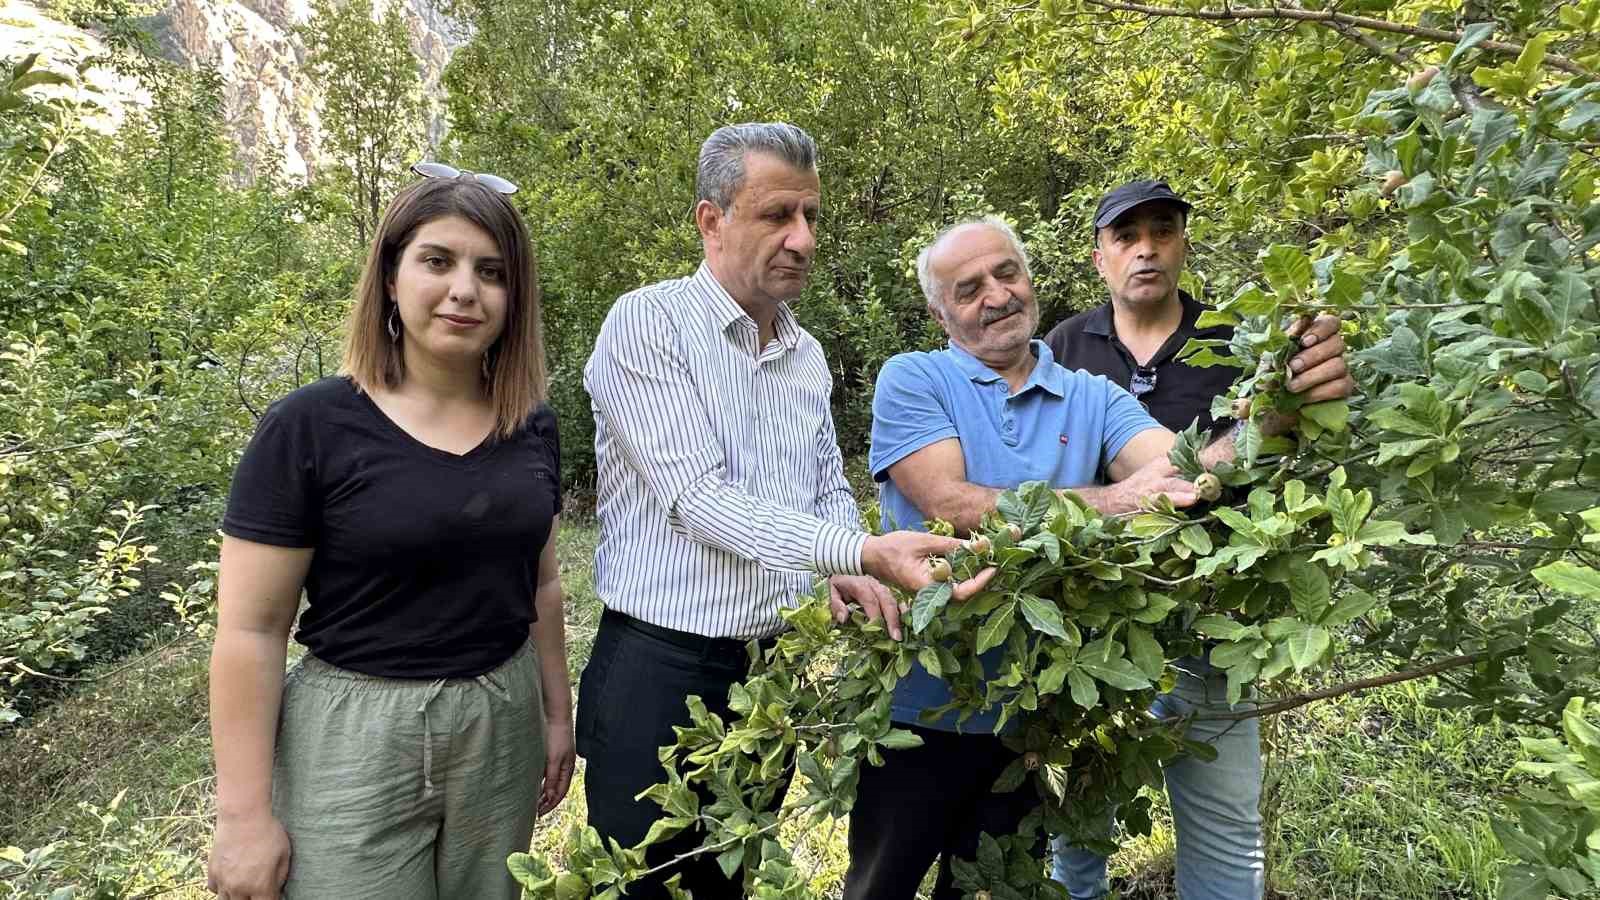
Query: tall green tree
x=373, y=112
x=598, y=109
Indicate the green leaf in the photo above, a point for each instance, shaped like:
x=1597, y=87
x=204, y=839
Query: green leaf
x=1043, y=615
x=1568, y=296
x=1542, y=167
x=1250, y=300
x=1309, y=590
x=39, y=77
x=992, y=633
x=1344, y=290
x=1517, y=842
x=1156, y=610
x=1117, y=672
x=1570, y=578
x=1084, y=691
x=1196, y=538
x=1307, y=646
x=900, y=739
x=1054, y=675
x=1288, y=269
x=1384, y=533
x=1145, y=652
x=1212, y=318
x=1471, y=36
x=929, y=601
x=22, y=65
x=929, y=658
x=1220, y=627
x=1349, y=607
x=1523, y=883
x=1332, y=415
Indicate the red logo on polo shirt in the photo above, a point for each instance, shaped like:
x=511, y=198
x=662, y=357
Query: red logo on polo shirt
x=1063, y=439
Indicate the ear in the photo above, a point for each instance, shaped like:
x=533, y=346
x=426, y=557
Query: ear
x=1099, y=261
x=708, y=218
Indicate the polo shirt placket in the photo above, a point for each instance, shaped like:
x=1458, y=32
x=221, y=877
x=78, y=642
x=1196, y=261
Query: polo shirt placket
x=1089, y=341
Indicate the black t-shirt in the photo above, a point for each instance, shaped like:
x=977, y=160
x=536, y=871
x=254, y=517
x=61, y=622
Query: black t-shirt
x=1181, y=392
x=425, y=562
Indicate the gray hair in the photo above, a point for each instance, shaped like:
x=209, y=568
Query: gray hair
x=930, y=285
x=721, y=170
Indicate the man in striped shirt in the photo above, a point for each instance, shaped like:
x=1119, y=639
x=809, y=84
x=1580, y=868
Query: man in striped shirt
x=721, y=486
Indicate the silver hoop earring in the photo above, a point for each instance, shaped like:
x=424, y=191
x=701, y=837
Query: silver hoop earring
x=392, y=325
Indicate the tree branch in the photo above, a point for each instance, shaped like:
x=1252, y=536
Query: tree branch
x=1329, y=17
x=1298, y=700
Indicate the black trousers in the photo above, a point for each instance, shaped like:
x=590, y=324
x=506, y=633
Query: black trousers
x=630, y=696
x=926, y=802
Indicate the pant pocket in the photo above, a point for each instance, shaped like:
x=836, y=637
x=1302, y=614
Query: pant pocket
x=588, y=728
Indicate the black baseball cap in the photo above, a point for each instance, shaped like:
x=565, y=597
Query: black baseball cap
x=1123, y=197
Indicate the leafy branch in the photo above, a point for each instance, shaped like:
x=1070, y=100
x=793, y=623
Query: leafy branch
x=1334, y=18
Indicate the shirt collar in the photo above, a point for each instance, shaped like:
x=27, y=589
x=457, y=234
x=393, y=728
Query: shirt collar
x=1046, y=375
x=1100, y=318
x=726, y=311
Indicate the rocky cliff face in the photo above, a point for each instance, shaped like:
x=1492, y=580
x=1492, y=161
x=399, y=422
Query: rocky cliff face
x=271, y=108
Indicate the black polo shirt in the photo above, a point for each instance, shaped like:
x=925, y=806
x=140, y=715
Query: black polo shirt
x=1182, y=392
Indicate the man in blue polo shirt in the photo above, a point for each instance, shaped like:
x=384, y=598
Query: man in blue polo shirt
x=952, y=429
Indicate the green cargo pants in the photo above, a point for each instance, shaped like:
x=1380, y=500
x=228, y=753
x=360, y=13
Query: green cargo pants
x=406, y=789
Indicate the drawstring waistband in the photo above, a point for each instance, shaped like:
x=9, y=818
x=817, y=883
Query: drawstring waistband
x=427, y=736
x=486, y=681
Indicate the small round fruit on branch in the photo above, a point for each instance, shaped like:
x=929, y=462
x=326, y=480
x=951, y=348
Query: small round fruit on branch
x=1393, y=180
x=1031, y=760
x=1015, y=531
x=1241, y=408
x=980, y=545
x=939, y=568
x=1421, y=79
x=1208, y=487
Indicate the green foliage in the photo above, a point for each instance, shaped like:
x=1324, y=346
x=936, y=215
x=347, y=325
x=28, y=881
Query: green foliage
x=150, y=308
x=597, y=109
x=1463, y=469
x=127, y=857
x=373, y=114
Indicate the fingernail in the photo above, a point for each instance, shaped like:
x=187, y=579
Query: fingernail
x=1296, y=365
x=1309, y=339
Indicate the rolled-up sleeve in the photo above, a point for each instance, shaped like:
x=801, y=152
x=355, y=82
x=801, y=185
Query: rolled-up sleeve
x=643, y=392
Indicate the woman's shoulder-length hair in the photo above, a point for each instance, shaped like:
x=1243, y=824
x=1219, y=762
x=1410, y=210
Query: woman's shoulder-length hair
x=515, y=364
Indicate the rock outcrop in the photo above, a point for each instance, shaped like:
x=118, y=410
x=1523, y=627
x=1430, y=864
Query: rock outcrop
x=271, y=108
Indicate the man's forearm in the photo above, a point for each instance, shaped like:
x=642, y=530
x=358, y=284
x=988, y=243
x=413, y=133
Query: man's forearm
x=962, y=504
x=1221, y=449
x=1109, y=499
x=720, y=515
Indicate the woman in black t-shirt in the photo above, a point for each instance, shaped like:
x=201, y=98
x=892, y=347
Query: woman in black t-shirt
x=414, y=498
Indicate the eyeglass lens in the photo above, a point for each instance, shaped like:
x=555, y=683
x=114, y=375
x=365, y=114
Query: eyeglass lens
x=440, y=170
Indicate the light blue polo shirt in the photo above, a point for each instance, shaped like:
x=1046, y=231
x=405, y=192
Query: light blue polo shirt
x=1062, y=427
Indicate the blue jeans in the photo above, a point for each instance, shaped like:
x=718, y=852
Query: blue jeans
x=1216, y=806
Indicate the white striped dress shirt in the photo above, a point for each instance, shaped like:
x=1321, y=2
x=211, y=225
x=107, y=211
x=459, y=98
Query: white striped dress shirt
x=721, y=486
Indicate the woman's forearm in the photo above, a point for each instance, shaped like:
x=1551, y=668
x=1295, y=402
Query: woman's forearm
x=550, y=640
x=246, y=692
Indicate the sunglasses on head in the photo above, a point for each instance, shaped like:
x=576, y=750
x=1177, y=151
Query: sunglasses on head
x=440, y=170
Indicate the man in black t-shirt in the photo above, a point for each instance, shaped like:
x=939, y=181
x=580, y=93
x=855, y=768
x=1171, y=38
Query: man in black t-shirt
x=1134, y=339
